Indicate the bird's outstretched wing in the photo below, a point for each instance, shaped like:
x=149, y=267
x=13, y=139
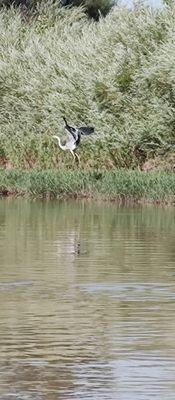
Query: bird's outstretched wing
x=75, y=133
x=72, y=132
x=85, y=130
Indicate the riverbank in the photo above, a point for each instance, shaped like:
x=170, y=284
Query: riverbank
x=120, y=185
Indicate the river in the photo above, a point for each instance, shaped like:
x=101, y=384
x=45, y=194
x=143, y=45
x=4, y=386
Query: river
x=87, y=301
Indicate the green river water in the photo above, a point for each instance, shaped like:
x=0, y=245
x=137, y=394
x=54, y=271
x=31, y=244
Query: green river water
x=87, y=301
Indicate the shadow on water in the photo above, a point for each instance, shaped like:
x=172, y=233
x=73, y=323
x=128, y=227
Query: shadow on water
x=87, y=296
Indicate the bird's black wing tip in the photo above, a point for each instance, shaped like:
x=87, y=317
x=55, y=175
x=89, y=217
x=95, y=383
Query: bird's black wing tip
x=64, y=120
x=86, y=130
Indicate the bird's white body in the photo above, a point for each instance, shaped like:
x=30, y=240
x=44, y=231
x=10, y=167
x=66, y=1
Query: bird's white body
x=70, y=145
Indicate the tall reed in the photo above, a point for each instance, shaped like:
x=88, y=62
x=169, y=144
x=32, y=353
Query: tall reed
x=117, y=74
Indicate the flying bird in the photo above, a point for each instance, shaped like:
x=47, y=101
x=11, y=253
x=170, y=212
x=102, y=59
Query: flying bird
x=74, y=138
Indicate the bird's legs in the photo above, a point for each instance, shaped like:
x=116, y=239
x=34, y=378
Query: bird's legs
x=75, y=156
x=72, y=154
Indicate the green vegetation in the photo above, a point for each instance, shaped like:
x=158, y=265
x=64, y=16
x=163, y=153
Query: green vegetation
x=122, y=186
x=117, y=74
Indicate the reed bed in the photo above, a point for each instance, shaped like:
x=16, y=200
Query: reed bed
x=117, y=74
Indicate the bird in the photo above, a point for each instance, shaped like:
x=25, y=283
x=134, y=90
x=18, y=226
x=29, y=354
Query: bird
x=74, y=135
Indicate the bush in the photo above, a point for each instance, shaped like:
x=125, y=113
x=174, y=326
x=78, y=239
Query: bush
x=93, y=8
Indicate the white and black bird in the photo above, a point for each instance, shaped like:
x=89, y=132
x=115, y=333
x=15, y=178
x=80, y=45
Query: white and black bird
x=74, y=138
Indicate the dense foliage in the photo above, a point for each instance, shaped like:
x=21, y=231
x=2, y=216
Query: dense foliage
x=117, y=74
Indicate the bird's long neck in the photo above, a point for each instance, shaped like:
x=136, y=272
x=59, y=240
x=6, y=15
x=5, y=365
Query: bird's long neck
x=59, y=143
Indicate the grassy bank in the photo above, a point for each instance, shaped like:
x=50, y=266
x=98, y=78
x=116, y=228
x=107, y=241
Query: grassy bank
x=117, y=75
x=122, y=186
